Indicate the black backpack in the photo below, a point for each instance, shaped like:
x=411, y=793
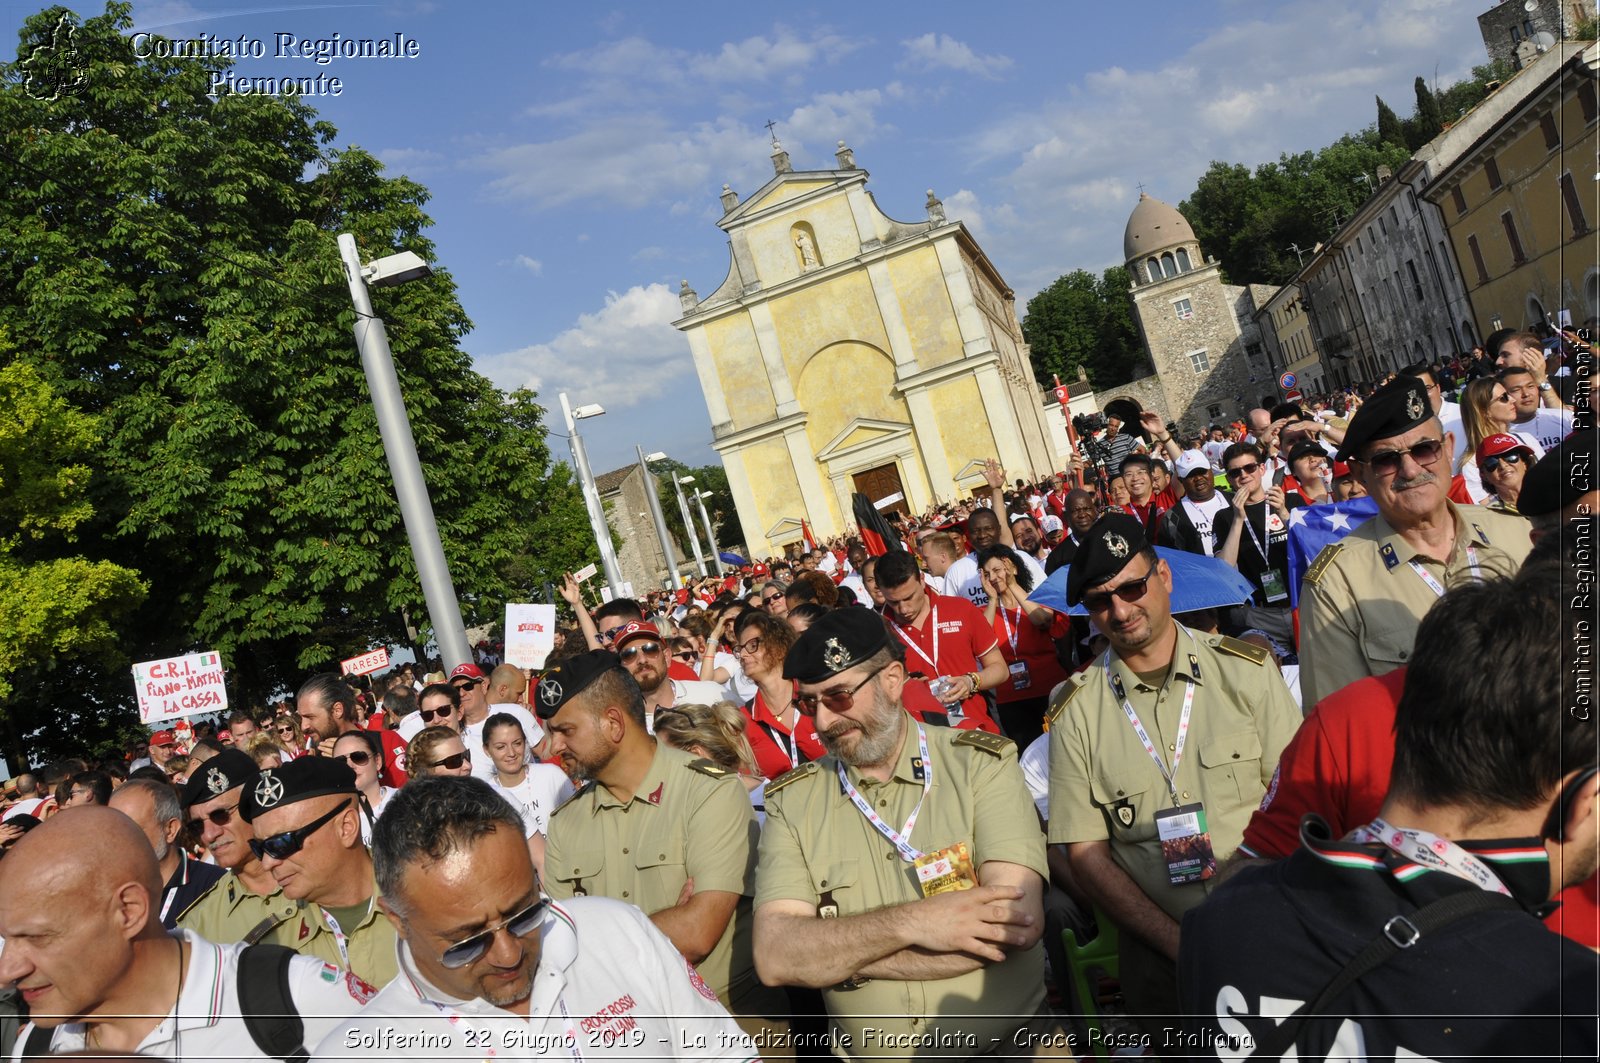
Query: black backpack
x=264, y=998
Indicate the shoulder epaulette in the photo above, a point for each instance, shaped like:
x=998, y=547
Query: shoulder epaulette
x=774, y=785
x=1060, y=702
x=706, y=767
x=992, y=744
x=1323, y=560
x=585, y=788
x=1234, y=648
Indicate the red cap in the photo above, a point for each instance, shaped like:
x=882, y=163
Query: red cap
x=638, y=629
x=163, y=738
x=1340, y=470
x=762, y=570
x=681, y=596
x=468, y=671
x=1499, y=443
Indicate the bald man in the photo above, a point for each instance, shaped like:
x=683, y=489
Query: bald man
x=86, y=949
x=154, y=807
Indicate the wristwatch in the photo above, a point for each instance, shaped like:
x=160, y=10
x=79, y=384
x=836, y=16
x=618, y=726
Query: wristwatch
x=1544, y=385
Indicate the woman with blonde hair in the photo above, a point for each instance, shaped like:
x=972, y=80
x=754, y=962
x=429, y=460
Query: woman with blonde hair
x=437, y=751
x=717, y=733
x=1486, y=410
x=265, y=751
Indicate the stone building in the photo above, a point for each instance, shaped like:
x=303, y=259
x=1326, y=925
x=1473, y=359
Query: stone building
x=625, y=497
x=1510, y=30
x=1204, y=344
x=846, y=351
x=1291, y=346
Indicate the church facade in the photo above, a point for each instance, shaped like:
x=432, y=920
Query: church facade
x=849, y=352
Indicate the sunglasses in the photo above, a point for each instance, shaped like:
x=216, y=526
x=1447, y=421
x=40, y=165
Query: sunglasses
x=221, y=817
x=1490, y=464
x=1423, y=452
x=1501, y=398
x=649, y=649
x=687, y=655
x=454, y=761
x=443, y=712
x=1131, y=591
x=284, y=845
x=837, y=700
x=611, y=632
x=523, y=923
x=357, y=759
x=770, y=598
x=1243, y=470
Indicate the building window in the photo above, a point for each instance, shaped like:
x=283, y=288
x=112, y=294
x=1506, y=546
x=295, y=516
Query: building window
x=1360, y=251
x=1510, y=226
x=1491, y=170
x=1516, y=36
x=1382, y=228
x=1587, y=101
x=1459, y=199
x=1153, y=266
x=1183, y=261
x=1252, y=350
x=1214, y=412
x=1394, y=219
x=1569, y=193
x=1168, y=265
x=1444, y=259
x=1184, y=308
x=1199, y=361
x=1416, y=281
x=1552, y=136
x=1477, y=259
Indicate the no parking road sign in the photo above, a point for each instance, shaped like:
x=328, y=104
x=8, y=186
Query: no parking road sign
x=1287, y=381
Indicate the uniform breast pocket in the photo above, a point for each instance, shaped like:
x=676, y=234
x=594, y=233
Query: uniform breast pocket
x=1387, y=645
x=660, y=864
x=579, y=874
x=1232, y=766
x=838, y=882
x=1129, y=804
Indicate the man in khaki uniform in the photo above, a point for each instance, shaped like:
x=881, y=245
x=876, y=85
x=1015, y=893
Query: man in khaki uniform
x=1160, y=751
x=903, y=873
x=308, y=838
x=1363, y=596
x=650, y=821
x=246, y=903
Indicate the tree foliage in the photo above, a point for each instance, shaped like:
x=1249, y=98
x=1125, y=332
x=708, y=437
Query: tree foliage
x=719, y=507
x=1426, y=123
x=1389, y=130
x=168, y=265
x=1080, y=320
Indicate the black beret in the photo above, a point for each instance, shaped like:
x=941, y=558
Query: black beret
x=836, y=643
x=1306, y=448
x=570, y=678
x=1106, y=549
x=1394, y=409
x=1567, y=472
x=299, y=780
x=218, y=775
x=1127, y=411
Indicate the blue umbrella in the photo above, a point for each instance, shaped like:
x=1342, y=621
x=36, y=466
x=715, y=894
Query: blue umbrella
x=1198, y=582
x=730, y=558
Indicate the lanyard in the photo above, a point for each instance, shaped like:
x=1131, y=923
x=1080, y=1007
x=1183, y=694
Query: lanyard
x=902, y=840
x=933, y=623
x=1431, y=851
x=338, y=934
x=1434, y=585
x=1012, y=635
x=1251, y=528
x=483, y=1039
x=1144, y=736
x=790, y=742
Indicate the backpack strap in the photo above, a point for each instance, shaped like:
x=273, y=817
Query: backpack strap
x=267, y=1005
x=1400, y=932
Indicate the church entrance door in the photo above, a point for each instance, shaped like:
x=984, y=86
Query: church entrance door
x=883, y=482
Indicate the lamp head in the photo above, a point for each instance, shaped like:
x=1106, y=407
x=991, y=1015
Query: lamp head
x=391, y=270
x=593, y=409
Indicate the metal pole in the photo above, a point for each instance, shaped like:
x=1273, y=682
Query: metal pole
x=711, y=537
x=688, y=526
x=411, y=490
x=660, y=519
x=591, y=498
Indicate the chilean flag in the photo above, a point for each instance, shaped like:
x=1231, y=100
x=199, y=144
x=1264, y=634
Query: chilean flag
x=1313, y=527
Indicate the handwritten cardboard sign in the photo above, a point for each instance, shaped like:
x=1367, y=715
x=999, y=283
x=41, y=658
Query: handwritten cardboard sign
x=180, y=686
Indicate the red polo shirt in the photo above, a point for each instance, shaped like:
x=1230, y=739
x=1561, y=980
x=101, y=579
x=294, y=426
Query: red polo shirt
x=952, y=637
x=778, y=749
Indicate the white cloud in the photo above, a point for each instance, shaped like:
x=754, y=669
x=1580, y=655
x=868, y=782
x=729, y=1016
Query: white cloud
x=649, y=254
x=409, y=160
x=938, y=51
x=532, y=265
x=622, y=355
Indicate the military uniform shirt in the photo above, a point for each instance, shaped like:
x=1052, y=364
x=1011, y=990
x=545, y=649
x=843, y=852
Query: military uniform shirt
x=1104, y=785
x=687, y=819
x=818, y=848
x=1360, y=602
x=229, y=912
x=370, y=946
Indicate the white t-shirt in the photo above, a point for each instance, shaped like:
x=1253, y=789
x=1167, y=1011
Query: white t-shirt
x=472, y=737
x=1035, y=765
x=857, y=587
x=605, y=973
x=1547, y=426
x=541, y=791
x=1213, y=451
x=1203, y=515
x=965, y=579
x=1474, y=479
x=209, y=1025
x=738, y=689
x=1450, y=421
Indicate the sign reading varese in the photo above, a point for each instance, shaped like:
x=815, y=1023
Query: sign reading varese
x=180, y=686
x=530, y=634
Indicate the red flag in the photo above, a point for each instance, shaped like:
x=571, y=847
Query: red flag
x=805, y=532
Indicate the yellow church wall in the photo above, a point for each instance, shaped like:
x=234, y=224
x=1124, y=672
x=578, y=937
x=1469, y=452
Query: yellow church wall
x=845, y=381
x=785, y=192
x=963, y=423
x=772, y=479
x=925, y=305
x=732, y=341
x=814, y=317
x=831, y=225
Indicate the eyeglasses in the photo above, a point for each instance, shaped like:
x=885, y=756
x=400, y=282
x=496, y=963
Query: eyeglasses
x=770, y=598
x=284, y=845
x=357, y=758
x=1131, y=591
x=463, y=953
x=221, y=817
x=1502, y=397
x=649, y=649
x=611, y=633
x=1423, y=452
x=1490, y=464
x=454, y=761
x=750, y=648
x=1243, y=470
x=836, y=700
x=443, y=712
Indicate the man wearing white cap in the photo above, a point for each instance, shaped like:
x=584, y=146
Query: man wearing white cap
x=1188, y=526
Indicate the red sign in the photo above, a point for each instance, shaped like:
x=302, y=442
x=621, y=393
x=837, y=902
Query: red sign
x=1293, y=396
x=374, y=661
x=1062, y=395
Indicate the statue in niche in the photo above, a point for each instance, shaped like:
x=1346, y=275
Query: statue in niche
x=807, y=249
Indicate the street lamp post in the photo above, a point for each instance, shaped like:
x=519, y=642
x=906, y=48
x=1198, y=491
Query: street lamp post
x=688, y=521
x=711, y=537
x=591, y=494
x=400, y=447
x=667, y=553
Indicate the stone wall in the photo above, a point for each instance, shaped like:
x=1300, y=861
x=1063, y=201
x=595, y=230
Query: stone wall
x=1208, y=329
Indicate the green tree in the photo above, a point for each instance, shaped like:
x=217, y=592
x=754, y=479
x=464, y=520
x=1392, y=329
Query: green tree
x=1389, y=128
x=169, y=266
x=719, y=507
x=1427, y=120
x=1080, y=321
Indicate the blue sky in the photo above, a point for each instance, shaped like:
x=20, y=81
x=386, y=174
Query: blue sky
x=575, y=151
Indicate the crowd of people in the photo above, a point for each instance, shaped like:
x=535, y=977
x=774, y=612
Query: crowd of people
x=866, y=803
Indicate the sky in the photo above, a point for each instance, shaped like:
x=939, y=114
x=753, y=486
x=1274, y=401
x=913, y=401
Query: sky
x=575, y=151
